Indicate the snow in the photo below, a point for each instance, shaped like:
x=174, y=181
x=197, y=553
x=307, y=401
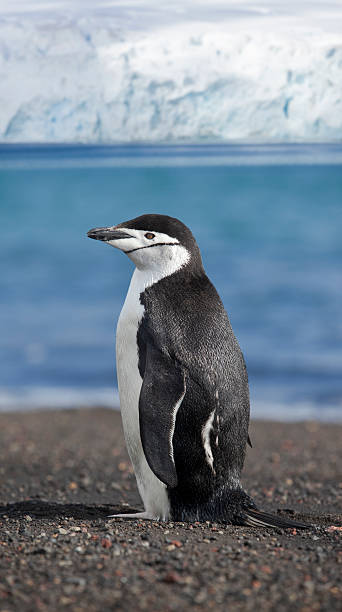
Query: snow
x=105, y=72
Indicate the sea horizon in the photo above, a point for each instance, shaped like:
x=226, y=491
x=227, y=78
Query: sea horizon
x=266, y=218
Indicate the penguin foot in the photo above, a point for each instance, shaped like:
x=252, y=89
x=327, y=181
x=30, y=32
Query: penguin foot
x=134, y=515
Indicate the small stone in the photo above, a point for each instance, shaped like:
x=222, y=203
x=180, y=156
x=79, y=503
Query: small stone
x=85, y=482
x=76, y=580
x=28, y=518
x=309, y=585
x=116, y=486
x=201, y=597
x=62, y=531
x=65, y=562
x=171, y=578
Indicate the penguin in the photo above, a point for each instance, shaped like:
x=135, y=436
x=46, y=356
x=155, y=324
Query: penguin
x=182, y=380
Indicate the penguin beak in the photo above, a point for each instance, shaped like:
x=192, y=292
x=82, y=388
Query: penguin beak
x=107, y=233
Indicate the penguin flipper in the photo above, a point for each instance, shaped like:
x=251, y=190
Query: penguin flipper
x=161, y=395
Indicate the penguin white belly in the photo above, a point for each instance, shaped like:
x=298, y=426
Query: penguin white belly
x=153, y=492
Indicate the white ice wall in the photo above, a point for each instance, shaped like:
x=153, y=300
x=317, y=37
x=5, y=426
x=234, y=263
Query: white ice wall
x=152, y=75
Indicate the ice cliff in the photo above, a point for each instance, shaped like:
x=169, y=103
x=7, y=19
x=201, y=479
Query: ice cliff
x=92, y=79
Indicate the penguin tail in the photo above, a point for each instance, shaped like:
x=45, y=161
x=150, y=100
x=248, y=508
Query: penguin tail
x=257, y=518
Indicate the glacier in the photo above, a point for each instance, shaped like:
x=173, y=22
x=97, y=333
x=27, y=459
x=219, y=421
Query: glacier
x=121, y=73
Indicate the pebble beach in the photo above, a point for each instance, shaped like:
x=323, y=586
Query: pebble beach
x=64, y=472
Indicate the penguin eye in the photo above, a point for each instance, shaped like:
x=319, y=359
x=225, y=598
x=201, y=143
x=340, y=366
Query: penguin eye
x=149, y=235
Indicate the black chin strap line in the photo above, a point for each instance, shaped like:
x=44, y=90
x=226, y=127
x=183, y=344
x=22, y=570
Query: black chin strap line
x=153, y=245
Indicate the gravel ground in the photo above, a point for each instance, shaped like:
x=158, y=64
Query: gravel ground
x=62, y=473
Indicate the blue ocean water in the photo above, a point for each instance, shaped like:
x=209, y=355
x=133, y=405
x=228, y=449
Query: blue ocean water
x=268, y=221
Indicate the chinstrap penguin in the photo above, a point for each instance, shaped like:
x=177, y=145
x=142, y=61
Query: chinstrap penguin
x=182, y=381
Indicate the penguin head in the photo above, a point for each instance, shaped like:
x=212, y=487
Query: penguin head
x=153, y=242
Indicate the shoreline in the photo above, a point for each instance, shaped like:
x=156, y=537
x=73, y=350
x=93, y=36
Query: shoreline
x=281, y=412
x=64, y=471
